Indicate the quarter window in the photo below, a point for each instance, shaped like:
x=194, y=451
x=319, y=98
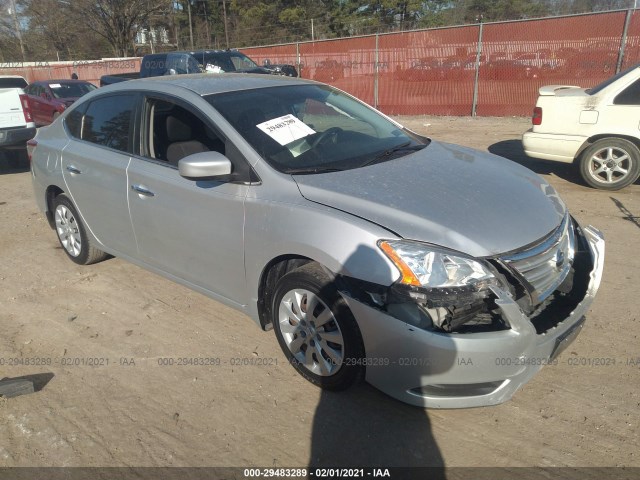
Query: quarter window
x=73, y=121
x=107, y=121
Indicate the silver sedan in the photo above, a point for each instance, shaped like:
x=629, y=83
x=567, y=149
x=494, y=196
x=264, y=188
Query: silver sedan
x=444, y=276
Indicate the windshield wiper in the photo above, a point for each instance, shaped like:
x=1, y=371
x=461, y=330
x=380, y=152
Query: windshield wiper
x=388, y=153
x=312, y=170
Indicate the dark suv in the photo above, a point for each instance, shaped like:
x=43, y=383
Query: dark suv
x=180, y=63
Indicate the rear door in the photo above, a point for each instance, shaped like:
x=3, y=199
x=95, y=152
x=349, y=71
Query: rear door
x=94, y=166
x=36, y=100
x=621, y=114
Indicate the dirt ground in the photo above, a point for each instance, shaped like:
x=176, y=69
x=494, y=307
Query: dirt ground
x=138, y=411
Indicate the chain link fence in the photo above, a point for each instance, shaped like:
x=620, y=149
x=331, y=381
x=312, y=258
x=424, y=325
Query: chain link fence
x=492, y=69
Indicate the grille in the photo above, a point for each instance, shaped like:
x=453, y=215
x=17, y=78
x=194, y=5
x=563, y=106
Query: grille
x=543, y=267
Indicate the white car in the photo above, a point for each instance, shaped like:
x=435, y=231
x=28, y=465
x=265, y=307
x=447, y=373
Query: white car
x=597, y=128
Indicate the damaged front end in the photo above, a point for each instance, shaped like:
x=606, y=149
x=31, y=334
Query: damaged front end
x=456, y=331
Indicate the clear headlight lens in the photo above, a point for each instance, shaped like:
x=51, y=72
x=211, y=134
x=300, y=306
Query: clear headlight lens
x=425, y=266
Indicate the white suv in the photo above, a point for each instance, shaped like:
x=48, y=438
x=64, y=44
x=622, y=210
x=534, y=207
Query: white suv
x=598, y=127
x=16, y=121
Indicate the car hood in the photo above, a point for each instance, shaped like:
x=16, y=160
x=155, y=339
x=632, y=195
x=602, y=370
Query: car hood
x=447, y=195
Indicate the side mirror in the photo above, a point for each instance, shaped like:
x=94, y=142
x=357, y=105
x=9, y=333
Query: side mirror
x=204, y=165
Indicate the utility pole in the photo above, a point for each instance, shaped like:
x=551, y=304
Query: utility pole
x=14, y=13
x=190, y=26
x=206, y=19
x=224, y=14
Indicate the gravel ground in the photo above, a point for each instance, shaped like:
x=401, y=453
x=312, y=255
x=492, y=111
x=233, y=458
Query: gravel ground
x=134, y=411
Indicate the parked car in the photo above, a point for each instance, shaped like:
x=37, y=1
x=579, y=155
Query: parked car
x=594, y=128
x=508, y=70
x=329, y=223
x=49, y=98
x=280, y=68
x=180, y=63
x=16, y=121
x=543, y=60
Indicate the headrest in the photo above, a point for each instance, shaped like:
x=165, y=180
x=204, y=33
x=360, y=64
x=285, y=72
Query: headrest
x=177, y=130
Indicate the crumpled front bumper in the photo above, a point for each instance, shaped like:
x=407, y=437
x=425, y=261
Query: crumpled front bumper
x=442, y=370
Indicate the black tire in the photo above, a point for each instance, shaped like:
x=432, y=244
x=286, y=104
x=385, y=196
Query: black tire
x=311, y=277
x=69, y=229
x=600, y=161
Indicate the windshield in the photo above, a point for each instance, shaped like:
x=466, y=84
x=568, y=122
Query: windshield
x=313, y=128
x=70, y=90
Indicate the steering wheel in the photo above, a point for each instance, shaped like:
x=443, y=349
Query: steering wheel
x=324, y=136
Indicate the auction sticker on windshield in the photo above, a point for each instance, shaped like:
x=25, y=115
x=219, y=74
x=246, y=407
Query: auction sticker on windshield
x=286, y=129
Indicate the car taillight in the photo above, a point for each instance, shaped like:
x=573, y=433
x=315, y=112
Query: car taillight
x=31, y=148
x=26, y=108
x=537, y=116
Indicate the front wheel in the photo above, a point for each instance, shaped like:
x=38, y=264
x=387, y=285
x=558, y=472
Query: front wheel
x=316, y=330
x=72, y=234
x=610, y=164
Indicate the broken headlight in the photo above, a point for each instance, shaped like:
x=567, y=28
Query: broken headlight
x=450, y=289
x=424, y=266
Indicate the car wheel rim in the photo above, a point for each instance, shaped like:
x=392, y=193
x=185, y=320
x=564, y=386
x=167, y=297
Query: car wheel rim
x=311, y=332
x=68, y=231
x=610, y=165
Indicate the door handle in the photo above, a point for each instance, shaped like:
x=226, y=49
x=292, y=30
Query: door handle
x=74, y=170
x=142, y=190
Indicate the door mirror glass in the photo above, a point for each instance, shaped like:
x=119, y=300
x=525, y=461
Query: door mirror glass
x=204, y=165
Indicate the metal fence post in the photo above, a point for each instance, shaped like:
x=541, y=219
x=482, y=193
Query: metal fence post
x=376, y=74
x=474, y=105
x=623, y=40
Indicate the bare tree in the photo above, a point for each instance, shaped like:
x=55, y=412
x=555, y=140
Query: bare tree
x=118, y=20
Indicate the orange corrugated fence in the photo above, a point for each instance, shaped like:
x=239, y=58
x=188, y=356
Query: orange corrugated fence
x=434, y=71
x=493, y=69
x=89, y=70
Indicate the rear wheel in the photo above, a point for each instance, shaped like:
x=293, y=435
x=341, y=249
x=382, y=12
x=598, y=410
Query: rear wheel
x=610, y=164
x=72, y=234
x=316, y=330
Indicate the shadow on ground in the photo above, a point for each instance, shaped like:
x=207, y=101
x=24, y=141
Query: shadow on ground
x=512, y=149
x=14, y=161
x=626, y=213
x=365, y=428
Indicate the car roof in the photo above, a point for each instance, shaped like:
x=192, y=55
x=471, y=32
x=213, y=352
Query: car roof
x=211, y=83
